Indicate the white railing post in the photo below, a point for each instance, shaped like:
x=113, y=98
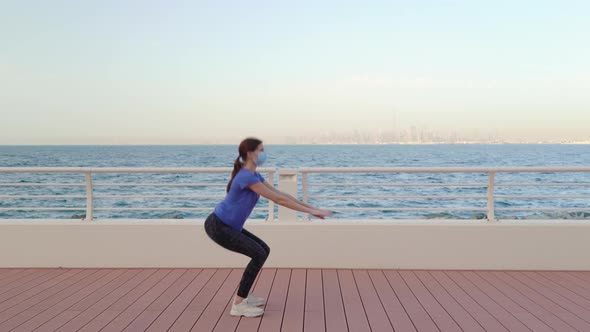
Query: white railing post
x=288, y=184
x=304, y=194
x=89, y=196
x=490, y=194
x=271, y=204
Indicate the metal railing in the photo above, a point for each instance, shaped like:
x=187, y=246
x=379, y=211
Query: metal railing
x=490, y=186
x=89, y=184
x=288, y=182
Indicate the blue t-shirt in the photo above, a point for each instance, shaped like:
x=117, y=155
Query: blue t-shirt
x=240, y=200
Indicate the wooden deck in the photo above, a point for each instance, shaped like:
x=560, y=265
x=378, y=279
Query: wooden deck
x=298, y=300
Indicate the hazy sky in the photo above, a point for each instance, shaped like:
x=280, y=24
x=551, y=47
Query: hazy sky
x=104, y=72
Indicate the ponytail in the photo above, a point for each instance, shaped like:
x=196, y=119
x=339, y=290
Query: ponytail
x=248, y=145
x=237, y=167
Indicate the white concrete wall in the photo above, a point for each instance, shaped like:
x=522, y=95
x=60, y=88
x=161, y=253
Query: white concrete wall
x=389, y=244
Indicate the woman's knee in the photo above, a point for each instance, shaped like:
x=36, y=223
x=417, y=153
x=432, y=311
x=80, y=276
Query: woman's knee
x=263, y=255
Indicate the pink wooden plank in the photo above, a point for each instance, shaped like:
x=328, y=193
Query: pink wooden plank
x=262, y=289
x=90, y=312
x=17, y=274
x=568, y=282
x=147, y=317
x=459, y=314
x=216, y=308
x=181, y=284
x=582, y=275
x=50, y=288
x=295, y=306
x=275, y=307
x=334, y=306
x=376, y=315
x=74, y=284
x=124, y=302
x=7, y=271
x=576, y=279
x=314, y=319
x=25, y=280
x=135, y=309
x=78, y=307
x=300, y=300
x=571, y=276
x=193, y=311
x=30, y=283
x=550, y=301
x=54, y=305
x=544, y=315
x=557, y=288
x=356, y=316
x=415, y=311
x=122, y=281
x=438, y=314
x=175, y=309
x=393, y=308
x=487, y=321
x=507, y=312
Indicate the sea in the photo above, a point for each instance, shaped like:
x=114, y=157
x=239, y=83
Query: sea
x=297, y=156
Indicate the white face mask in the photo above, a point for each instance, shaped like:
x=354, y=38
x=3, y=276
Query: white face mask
x=261, y=158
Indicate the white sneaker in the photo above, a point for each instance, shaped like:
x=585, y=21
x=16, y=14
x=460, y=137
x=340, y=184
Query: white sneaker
x=245, y=309
x=255, y=300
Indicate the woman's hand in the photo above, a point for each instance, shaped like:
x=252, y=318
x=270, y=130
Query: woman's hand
x=320, y=213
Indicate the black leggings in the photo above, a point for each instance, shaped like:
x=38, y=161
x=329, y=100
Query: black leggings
x=242, y=242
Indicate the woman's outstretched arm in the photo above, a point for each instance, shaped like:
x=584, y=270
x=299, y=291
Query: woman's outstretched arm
x=288, y=201
x=289, y=196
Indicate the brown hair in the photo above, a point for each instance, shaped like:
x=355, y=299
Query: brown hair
x=248, y=145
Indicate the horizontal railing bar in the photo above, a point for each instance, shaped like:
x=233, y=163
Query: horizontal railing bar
x=406, y=209
x=42, y=209
x=573, y=209
x=42, y=184
x=108, y=196
x=319, y=184
x=419, y=196
x=163, y=209
x=157, y=196
x=441, y=169
x=310, y=184
x=541, y=196
x=303, y=169
x=123, y=170
x=42, y=196
x=543, y=184
x=397, y=184
x=108, y=209
x=113, y=184
x=160, y=184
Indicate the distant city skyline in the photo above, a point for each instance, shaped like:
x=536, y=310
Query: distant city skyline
x=208, y=72
x=410, y=135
